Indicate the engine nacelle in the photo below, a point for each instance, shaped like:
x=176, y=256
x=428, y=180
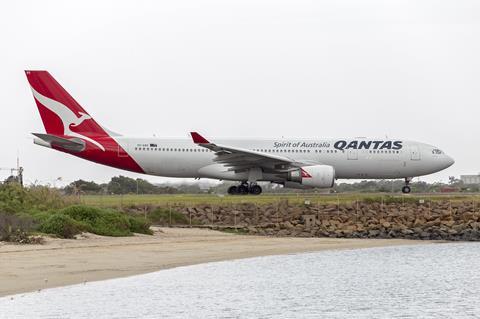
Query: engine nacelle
x=318, y=176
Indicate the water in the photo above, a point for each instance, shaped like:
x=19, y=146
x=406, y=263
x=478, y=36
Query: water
x=427, y=281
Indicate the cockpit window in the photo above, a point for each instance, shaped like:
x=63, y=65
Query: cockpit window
x=436, y=151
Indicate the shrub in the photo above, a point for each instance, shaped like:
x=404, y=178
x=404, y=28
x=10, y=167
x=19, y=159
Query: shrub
x=40, y=216
x=163, y=216
x=84, y=213
x=12, y=198
x=101, y=221
x=21, y=237
x=62, y=226
x=43, y=198
x=139, y=225
x=15, y=199
x=12, y=226
x=107, y=222
x=41, y=206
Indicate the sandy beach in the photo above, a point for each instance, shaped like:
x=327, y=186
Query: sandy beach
x=61, y=262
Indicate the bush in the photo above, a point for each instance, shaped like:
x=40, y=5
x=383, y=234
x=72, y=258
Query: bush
x=26, y=208
x=43, y=198
x=162, y=216
x=101, y=221
x=12, y=198
x=62, y=226
x=15, y=199
x=12, y=226
x=139, y=225
x=107, y=222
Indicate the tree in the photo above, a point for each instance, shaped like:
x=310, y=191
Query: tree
x=83, y=187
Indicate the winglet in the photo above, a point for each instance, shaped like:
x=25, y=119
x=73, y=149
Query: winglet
x=198, y=139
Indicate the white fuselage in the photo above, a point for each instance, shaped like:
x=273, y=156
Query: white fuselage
x=294, y=162
x=183, y=158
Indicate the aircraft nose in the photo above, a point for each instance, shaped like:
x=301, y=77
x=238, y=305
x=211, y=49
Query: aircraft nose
x=449, y=161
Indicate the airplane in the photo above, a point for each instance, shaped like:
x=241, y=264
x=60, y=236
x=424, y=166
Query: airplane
x=293, y=163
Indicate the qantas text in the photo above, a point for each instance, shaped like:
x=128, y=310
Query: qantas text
x=376, y=145
x=344, y=145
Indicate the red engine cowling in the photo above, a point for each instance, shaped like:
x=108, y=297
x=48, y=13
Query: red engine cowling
x=318, y=176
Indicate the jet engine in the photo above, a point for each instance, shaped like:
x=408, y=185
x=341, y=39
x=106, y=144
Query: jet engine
x=315, y=176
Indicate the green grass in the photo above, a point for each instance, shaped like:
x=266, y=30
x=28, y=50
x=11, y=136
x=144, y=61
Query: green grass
x=190, y=200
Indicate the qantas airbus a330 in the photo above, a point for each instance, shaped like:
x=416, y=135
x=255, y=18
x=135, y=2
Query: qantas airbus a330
x=295, y=163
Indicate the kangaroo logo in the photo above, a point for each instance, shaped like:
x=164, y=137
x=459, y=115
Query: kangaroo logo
x=67, y=116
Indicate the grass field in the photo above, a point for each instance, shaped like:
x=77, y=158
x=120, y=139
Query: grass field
x=198, y=199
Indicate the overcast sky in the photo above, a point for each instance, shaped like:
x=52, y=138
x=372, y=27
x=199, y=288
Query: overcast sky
x=337, y=68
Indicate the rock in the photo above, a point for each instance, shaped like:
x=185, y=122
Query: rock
x=251, y=229
x=424, y=235
x=373, y=233
x=386, y=224
x=282, y=233
x=299, y=227
x=350, y=228
x=437, y=220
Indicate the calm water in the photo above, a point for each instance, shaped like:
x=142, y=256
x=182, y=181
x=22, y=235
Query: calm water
x=428, y=281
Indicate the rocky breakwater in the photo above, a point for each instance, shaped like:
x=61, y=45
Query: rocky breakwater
x=441, y=220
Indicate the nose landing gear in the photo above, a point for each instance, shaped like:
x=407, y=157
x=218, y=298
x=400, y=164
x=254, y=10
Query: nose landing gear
x=244, y=189
x=406, y=189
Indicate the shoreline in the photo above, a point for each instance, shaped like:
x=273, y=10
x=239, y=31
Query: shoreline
x=62, y=262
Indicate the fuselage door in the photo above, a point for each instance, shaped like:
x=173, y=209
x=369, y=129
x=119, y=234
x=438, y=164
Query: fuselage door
x=352, y=154
x=414, y=153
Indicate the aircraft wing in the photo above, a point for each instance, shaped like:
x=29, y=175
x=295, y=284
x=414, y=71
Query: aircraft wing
x=238, y=159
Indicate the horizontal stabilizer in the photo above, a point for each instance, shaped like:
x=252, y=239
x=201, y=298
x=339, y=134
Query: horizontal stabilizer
x=72, y=144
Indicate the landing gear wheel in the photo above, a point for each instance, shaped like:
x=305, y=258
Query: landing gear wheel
x=242, y=189
x=406, y=189
x=255, y=190
x=233, y=190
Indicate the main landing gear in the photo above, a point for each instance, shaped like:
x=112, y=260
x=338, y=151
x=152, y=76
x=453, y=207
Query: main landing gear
x=244, y=189
x=406, y=189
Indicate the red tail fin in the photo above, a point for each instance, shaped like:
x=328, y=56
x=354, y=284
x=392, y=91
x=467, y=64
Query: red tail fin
x=61, y=114
x=64, y=120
